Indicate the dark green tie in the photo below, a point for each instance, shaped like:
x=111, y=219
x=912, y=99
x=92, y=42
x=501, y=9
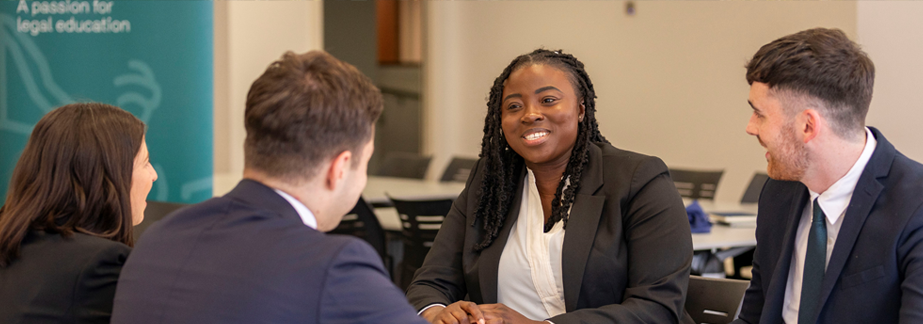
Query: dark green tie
x=815, y=262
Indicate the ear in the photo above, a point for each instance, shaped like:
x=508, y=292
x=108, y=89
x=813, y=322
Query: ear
x=811, y=120
x=582, y=111
x=337, y=170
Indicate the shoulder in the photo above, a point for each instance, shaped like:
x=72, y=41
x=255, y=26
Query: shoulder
x=80, y=248
x=345, y=248
x=101, y=252
x=627, y=167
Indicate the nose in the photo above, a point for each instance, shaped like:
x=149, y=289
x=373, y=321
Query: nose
x=751, y=126
x=155, y=174
x=531, y=114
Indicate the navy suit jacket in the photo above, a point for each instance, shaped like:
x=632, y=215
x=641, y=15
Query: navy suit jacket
x=875, y=272
x=247, y=257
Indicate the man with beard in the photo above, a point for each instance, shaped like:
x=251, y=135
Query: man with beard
x=840, y=226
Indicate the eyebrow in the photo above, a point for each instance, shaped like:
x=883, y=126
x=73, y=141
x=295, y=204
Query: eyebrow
x=752, y=106
x=540, y=90
x=543, y=89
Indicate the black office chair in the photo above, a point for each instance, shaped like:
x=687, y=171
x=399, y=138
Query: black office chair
x=404, y=165
x=458, y=170
x=694, y=184
x=713, y=300
x=752, y=194
x=155, y=211
x=420, y=221
x=361, y=222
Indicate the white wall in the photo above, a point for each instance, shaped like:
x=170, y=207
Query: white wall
x=891, y=32
x=670, y=79
x=250, y=35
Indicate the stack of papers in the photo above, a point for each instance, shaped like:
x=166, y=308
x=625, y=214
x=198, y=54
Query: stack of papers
x=734, y=219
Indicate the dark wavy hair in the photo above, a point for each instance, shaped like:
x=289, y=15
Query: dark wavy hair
x=503, y=165
x=74, y=175
x=304, y=109
x=821, y=63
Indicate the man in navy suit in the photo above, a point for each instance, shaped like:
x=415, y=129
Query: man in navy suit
x=840, y=226
x=259, y=254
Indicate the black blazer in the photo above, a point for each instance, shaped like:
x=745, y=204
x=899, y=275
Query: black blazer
x=247, y=257
x=627, y=246
x=61, y=280
x=875, y=272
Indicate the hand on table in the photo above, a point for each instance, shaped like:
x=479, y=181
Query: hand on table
x=500, y=314
x=461, y=312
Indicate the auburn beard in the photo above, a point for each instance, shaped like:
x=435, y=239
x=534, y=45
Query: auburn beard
x=789, y=161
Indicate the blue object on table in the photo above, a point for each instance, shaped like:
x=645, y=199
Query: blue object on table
x=698, y=219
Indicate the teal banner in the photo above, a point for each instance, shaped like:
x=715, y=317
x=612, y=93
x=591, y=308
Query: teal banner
x=152, y=58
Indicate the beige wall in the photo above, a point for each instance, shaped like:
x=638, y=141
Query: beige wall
x=892, y=34
x=250, y=35
x=670, y=80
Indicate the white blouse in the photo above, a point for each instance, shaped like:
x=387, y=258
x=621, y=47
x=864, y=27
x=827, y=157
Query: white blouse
x=529, y=276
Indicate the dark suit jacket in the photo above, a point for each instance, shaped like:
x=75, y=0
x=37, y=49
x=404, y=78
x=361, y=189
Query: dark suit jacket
x=626, y=255
x=875, y=272
x=247, y=257
x=61, y=280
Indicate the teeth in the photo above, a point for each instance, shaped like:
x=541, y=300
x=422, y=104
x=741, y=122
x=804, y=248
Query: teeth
x=535, y=136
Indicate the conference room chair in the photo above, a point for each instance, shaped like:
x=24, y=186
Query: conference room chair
x=155, y=211
x=714, y=300
x=458, y=170
x=743, y=263
x=696, y=184
x=420, y=221
x=361, y=222
x=752, y=194
x=404, y=165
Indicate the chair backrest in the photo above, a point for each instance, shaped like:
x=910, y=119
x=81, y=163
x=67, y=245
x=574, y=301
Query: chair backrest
x=752, y=194
x=420, y=221
x=458, y=170
x=695, y=184
x=361, y=222
x=155, y=211
x=404, y=165
x=714, y=300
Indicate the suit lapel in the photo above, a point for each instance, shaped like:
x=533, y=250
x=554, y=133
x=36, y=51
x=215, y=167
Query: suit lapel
x=863, y=198
x=775, y=295
x=581, y=227
x=489, y=261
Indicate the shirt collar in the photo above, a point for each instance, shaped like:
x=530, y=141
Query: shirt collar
x=306, y=215
x=835, y=199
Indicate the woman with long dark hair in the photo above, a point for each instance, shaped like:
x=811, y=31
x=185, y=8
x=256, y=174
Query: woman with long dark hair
x=555, y=224
x=66, y=227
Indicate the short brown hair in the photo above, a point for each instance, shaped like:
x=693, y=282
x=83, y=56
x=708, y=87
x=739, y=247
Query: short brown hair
x=74, y=175
x=304, y=109
x=822, y=63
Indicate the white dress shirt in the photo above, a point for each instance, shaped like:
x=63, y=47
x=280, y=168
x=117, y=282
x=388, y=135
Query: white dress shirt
x=529, y=276
x=833, y=202
x=307, y=217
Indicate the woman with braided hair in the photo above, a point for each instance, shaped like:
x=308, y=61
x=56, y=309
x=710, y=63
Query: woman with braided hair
x=555, y=224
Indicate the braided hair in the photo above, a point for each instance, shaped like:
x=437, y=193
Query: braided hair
x=503, y=165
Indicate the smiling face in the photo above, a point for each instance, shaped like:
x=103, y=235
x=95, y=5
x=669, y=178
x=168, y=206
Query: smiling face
x=540, y=113
x=775, y=130
x=142, y=179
